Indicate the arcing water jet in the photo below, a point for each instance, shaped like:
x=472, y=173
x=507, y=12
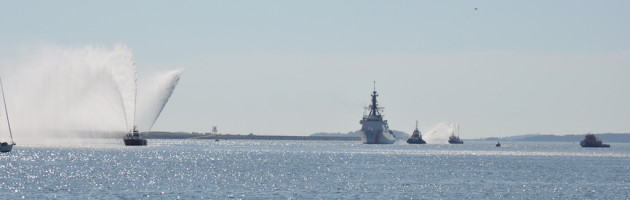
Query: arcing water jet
x=78, y=92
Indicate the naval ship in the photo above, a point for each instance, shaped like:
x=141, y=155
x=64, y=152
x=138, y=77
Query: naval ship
x=374, y=130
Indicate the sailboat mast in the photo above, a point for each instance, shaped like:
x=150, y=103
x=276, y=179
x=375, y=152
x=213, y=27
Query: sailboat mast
x=6, y=111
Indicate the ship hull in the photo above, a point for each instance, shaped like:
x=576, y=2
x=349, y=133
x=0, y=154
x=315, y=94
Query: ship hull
x=593, y=144
x=135, y=142
x=377, y=137
x=455, y=142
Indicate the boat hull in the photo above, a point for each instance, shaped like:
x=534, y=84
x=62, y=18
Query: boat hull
x=416, y=141
x=4, y=147
x=135, y=142
x=593, y=144
x=456, y=142
x=377, y=137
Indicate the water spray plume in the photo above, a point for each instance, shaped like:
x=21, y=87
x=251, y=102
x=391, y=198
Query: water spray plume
x=156, y=92
x=439, y=133
x=75, y=92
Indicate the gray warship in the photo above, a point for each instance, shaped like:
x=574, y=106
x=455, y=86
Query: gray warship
x=374, y=130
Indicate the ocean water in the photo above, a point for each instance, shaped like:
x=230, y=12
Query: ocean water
x=260, y=169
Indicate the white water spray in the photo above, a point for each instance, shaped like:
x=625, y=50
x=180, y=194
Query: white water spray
x=70, y=92
x=154, y=94
x=439, y=133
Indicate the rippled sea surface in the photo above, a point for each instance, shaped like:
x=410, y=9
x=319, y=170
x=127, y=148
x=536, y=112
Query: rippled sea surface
x=263, y=169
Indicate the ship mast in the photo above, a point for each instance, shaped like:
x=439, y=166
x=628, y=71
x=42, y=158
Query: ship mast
x=6, y=112
x=416, y=125
x=374, y=106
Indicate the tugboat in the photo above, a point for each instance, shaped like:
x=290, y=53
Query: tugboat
x=133, y=138
x=590, y=140
x=5, y=146
x=455, y=139
x=374, y=129
x=416, y=137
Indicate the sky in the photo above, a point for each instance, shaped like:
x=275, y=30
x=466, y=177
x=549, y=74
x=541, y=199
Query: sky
x=496, y=68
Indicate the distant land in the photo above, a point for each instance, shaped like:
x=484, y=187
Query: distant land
x=398, y=134
x=350, y=136
x=354, y=136
x=185, y=135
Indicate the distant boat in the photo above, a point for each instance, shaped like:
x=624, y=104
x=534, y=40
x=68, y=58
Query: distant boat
x=590, y=140
x=6, y=146
x=416, y=137
x=134, y=138
x=374, y=129
x=455, y=139
x=498, y=144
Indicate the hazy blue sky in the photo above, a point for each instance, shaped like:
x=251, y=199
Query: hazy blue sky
x=299, y=67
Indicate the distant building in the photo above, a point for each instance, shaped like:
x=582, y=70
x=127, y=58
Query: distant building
x=214, y=131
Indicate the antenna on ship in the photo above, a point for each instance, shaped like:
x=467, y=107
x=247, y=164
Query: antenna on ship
x=416, y=124
x=374, y=106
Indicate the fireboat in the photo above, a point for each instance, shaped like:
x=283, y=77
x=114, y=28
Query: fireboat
x=454, y=139
x=133, y=138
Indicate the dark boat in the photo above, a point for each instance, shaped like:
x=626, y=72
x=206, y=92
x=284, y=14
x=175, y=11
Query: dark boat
x=455, y=139
x=133, y=138
x=498, y=144
x=5, y=146
x=416, y=138
x=590, y=140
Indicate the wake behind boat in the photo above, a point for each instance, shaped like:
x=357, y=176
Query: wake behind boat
x=374, y=130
